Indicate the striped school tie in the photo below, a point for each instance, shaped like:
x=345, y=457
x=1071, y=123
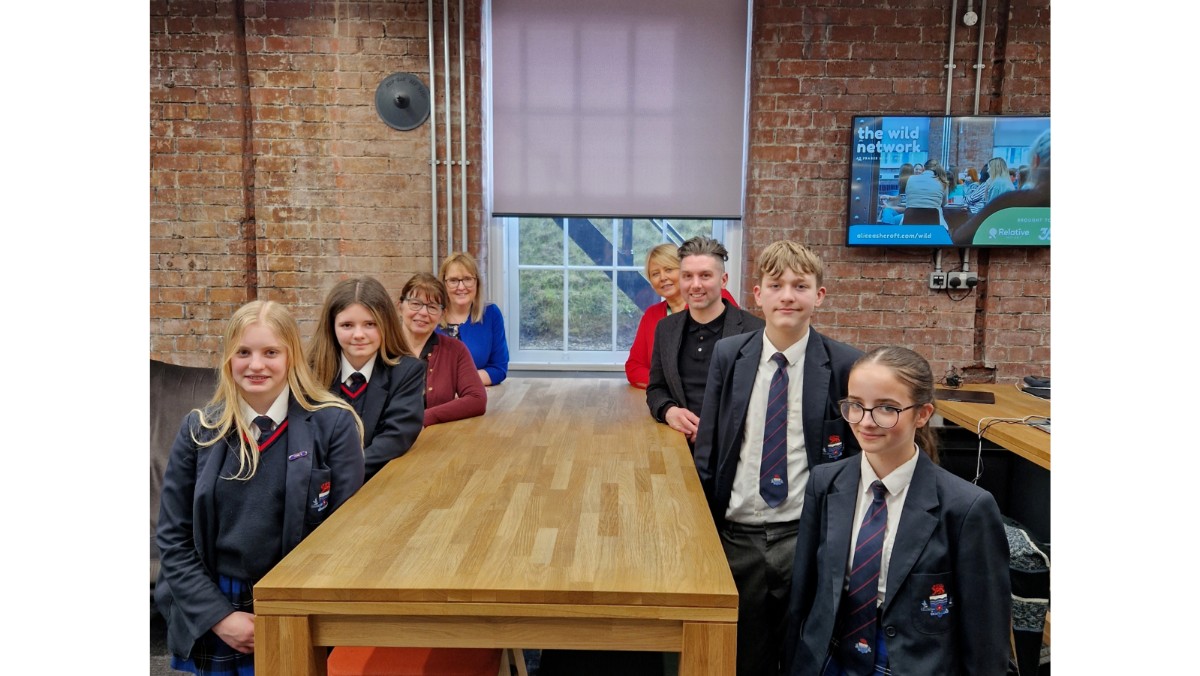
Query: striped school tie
x=772, y=478
x=354, y=385
x=856, y=640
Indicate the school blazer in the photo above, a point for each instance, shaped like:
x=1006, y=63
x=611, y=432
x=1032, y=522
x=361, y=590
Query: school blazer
x=323, y=447
x=665, y=382
x=731, y=376
x=394, y=410
x=949, y=540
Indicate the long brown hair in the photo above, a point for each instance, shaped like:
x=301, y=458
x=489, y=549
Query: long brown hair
x=324, y=352
x=911, y=369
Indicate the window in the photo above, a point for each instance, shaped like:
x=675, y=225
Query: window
x=576, y=287
x=606, y=107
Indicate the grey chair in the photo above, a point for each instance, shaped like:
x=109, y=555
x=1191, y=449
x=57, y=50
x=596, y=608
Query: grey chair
x=174, y=390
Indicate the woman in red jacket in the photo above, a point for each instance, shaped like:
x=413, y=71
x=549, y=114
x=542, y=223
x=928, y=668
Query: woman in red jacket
x=662, y=269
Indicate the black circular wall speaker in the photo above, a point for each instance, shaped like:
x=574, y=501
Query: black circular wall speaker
x=402, y=101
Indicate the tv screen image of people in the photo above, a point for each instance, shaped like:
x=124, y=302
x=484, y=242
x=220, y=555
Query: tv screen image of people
x=934, y=181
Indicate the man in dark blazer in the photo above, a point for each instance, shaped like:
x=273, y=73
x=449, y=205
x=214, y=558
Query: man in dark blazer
x=757, y=522
x=950, y=543
x=683, y=343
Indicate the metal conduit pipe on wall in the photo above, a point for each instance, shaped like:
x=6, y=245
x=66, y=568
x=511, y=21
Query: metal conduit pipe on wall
x=950, y=60
x=979, y=58
x=449, y=134
x=447, y=158
x=433, y=163
x=462, y=124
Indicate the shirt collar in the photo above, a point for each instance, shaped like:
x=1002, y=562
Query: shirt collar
x=277, y=412
x=897, y=481
x=794, y=354
x=713, y=326
x=348, y=370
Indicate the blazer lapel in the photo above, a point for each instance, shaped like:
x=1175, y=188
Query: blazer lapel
x=376, y=396
x=670, y=358
x=839, y=514
x=816, y=395
x=300, y=455
x=917, y=523
x=208, y=473
x=745, y=368
x=732, y=326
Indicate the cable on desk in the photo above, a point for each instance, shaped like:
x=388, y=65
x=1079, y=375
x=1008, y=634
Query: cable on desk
x=981, y=429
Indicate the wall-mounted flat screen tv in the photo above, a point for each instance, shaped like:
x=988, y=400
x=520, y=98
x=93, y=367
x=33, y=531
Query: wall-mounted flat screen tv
x=940, y=181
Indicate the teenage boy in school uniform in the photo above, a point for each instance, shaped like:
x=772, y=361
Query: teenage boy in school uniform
x=684, y=342
x=770, y=412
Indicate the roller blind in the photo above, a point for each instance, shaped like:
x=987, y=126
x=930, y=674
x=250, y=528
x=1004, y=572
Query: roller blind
x=619, y=107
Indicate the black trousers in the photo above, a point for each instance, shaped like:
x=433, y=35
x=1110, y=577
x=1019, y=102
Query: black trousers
x=760, y=558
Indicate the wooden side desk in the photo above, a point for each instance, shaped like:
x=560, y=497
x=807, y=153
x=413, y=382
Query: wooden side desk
x=1028, y=442
x=563, y=518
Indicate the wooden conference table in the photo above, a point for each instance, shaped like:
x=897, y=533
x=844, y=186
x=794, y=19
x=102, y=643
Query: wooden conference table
x=563, y=518
x=1028, y=442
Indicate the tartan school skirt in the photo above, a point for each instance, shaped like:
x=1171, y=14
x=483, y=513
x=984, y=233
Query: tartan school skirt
x=833, y=667
x=213, y=657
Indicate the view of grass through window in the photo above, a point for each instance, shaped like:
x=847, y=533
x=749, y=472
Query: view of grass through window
x=581, y=281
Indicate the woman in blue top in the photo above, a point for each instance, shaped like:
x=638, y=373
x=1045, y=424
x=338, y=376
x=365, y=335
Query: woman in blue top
x=478, y=324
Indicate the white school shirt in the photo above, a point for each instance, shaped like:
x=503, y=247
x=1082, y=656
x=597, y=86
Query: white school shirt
x=277, y=412
x=746, y=506
x=348, y=370
x=897, y=490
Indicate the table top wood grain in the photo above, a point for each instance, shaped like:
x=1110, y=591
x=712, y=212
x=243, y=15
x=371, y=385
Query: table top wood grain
x=1028, y=442
x=565, y=492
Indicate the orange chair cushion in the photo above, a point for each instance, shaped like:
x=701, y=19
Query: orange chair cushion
x=362, y=661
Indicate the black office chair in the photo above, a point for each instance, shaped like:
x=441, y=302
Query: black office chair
x=922, y=216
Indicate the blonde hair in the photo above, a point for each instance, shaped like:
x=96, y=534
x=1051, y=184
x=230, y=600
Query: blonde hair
x=788, y=255
x=324, y=352
x=666, y=255
x=467, y=261
x=223, y=413
x=997, y=170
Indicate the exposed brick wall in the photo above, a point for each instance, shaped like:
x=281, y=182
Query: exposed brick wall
x=271, y=174
x=272, y=177
x=816, y=64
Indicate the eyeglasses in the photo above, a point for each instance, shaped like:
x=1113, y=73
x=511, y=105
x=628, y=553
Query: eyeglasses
x=454, y=282
x=416, y=306
x=885, y=416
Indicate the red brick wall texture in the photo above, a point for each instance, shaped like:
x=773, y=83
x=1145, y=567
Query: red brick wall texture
x=272, y=176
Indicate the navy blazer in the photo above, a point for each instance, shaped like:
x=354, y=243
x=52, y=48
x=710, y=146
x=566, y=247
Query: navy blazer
x=950, y=540
x=323, y=446
x=393, y=413
x=731, y=376
x=665, y=384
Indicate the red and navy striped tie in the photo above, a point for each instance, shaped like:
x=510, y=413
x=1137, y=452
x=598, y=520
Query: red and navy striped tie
x=772, y=478
x=856, y=644
x=353, y=389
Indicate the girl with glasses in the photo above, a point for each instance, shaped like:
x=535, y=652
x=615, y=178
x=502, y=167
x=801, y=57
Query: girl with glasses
x=361, y=354
x=478, y=324
x=900, y=565
x=453, y=390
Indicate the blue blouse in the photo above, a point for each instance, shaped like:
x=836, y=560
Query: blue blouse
x=486, y=342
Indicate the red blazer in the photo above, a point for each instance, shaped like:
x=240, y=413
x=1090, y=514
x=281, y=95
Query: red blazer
x=637, y=366
x=453, y=390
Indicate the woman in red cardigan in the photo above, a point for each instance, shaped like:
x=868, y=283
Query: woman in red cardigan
x=662, y=269
x=453, y=390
